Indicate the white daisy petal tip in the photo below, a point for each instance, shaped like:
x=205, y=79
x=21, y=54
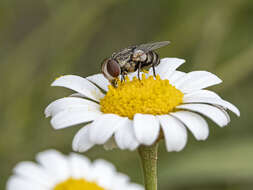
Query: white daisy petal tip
x=69, y=103
x=15, y=182
x=50, y=172
x=197, y=80
x=212, y=100
x=135, y=186
x=194, y=122
x=236, y=111
x=80, y=85
x=104, y=127
x=218, y=115
x=81, y=142
x=146, y=128
x=231, y=107
x=175, y=133
x=125, y=137
x=46, y=153
x=75, y=116
x=58, y=80
x=167, y=66
x=173, y=59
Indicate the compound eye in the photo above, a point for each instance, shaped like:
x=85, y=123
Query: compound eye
x=113, y=68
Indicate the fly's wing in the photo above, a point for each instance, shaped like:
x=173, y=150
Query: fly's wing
x=152, y=46
x=123, y=54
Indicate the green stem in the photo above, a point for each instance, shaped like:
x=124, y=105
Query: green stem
x=148, y=156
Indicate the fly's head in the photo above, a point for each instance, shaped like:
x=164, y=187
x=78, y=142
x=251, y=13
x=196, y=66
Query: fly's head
x=111, y=70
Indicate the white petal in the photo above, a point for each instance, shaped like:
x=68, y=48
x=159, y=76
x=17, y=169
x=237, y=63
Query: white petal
x=146, y=128
x=18, y=183
x=104, y=127
x=33, y=172
x=132, y=75
x=174, y=132
x=121, y=180
x=99, y=80
x=103, y=165
x=77, y=95
x=197, y=80
x=176, y=75
x=212, y=112
x=167, y=66
x=195, y=123
x=125, y=137
x=202, y=93
x=224, y=112
x=74, y=116
x=81, y=142
x=69, y=103
x=55, y=163
x=216, y=101
x=80, y=85
x=103, y=173
x=134, y=186
x=80, y=166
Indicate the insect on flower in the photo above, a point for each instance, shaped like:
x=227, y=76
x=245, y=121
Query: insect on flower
x=127, y=60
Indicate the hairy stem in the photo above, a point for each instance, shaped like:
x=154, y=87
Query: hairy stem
x=148, y=156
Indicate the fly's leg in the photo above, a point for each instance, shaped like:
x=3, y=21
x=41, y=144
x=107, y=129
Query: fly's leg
x=123, y=77
x=139, y=68
x=153, y=67
x=114, y=83
x=123, y=74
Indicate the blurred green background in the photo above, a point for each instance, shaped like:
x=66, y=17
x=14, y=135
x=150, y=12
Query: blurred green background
x=41, y=40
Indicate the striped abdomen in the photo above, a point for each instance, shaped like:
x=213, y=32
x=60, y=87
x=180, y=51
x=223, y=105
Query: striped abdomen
x=151, y=60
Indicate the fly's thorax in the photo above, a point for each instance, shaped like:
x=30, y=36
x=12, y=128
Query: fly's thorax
x=129, y=66
x=123, y=62
x=123, y=57
x=139, y=56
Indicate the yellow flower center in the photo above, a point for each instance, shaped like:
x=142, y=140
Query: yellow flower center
x=147, y=96
x=77, y=184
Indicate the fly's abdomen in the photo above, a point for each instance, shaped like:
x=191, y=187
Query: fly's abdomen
x=151, y=60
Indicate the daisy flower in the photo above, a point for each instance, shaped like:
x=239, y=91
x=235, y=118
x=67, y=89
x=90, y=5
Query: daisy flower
x=140, y=112
x=55, y=171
